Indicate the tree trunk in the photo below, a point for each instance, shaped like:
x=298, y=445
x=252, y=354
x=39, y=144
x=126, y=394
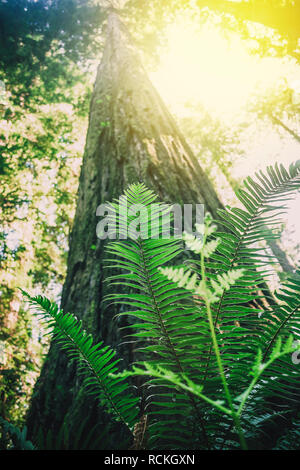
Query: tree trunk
x=131, y=137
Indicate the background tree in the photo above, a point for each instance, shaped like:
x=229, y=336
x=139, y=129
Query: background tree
x=280, y=106
x=41, y=44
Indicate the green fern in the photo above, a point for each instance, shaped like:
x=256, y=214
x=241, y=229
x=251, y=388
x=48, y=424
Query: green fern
x=73, y=436
x=165, y=323
x=291, y=440
x=13, y=438
x=178, y=331
x=245, y=329
x=213, y=348
x=95, y=361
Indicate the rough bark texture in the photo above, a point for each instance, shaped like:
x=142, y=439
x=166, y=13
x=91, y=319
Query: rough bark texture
x=131, y=137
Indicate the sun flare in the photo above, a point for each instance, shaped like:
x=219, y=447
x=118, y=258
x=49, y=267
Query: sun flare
x=201, y=65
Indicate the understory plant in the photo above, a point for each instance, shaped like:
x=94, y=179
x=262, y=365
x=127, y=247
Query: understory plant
x=215, y=351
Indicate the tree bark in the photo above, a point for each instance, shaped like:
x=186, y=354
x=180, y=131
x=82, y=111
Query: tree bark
x=131, y=137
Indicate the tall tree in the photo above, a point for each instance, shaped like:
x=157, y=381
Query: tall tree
x=131, y=137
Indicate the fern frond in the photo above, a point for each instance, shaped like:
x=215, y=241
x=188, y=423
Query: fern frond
x=11, y=437
x=95, y=361
x=240, y=313
x=166, y=323
x=244, y=321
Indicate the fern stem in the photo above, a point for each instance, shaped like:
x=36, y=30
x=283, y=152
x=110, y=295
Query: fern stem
x=235, y=416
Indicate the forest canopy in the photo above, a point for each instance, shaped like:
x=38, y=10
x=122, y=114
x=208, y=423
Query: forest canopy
x=196, y=102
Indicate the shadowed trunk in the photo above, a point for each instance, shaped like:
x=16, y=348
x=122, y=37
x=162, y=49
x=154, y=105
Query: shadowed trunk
x=131, y=137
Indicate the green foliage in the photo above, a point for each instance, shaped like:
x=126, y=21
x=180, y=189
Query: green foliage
x=291, y=440
x=164, y=319
x=41, y=41
x=40, y=119
x=230, y=287
x=67, y=438
x=37, y=202
x=17, y=360
x=95, y=361
x=12, y=438
x=213, y=355
x=73, y=437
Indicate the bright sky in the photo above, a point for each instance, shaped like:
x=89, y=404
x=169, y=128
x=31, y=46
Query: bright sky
x=201, y=66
